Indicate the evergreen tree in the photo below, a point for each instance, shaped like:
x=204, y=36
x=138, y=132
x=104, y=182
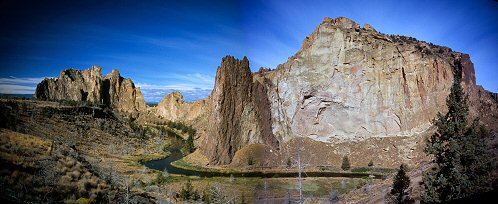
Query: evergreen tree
x=189, y=144
x=459, y=153
x=345, y=163
x=400, y=184
x=188, y=192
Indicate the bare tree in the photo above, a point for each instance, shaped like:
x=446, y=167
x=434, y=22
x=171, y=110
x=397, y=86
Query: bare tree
x=266, y=191
x=165, y=172
x=288, y=199
x=146, y=147
x=126, y=185
x=216, y=195
x=300, y=166
x=300, y=174
x=333, y=197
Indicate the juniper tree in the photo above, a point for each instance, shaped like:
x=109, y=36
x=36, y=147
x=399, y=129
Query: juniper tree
x=400, y=185
x=345, y=163
x=461, y=166
x=189, y=144
x=188, y=192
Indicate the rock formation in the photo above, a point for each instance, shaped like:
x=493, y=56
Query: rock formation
x=346, y=84
x=349, y=83
x=173, y=107
x=240, y=113
x=90, y=86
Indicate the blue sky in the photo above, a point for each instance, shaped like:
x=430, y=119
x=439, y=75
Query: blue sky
x=178, y=45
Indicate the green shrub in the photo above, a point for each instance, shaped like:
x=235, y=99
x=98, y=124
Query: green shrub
x=361, y=169
x=189, y=145
x=188, y=192
x=206, y=196
x=345, y=163
x=371, y=163
x=289, y=162
x=250, y=160
x=182, y=127
x=83, y=201
x=243, y=199
x=160, y=178
x=400, y=185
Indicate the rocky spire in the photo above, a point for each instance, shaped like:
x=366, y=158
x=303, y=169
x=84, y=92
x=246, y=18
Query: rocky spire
x=91, y=87
x=237, y=110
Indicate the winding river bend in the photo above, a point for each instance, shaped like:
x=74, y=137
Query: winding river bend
x=176, y=154
x=165, y=163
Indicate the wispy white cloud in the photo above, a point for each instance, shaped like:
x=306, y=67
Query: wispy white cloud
x=23, y=85
x=24, y=80
x=16, y=89
x=194, y=86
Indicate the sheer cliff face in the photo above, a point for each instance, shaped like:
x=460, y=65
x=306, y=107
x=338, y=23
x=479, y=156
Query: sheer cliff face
x=349, y=83
x=239, y=112
x=90, y=86
x=346, y=84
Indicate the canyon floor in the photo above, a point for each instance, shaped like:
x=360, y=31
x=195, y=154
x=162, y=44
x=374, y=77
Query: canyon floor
x=53, y=151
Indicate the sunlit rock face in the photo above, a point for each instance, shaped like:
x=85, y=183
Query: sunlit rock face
x=346, y=84
x=351, y=83
x=173, y=107
x=90, y=86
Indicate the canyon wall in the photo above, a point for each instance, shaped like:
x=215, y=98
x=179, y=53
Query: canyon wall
x=346, y=84
x=240, y=113
x=90, y=86
x=349, y=83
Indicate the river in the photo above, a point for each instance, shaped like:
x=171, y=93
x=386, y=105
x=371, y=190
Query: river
x=165, y=163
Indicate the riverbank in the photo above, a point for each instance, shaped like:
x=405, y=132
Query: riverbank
x=273, y=172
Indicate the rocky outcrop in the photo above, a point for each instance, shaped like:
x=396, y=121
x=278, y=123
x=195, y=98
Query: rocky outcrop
x=349, y=83
x=346, y=84
x=240, y=113
x=90, y=86
x=173, y=107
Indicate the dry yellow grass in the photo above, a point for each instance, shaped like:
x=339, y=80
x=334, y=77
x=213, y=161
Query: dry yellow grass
x=18, y=147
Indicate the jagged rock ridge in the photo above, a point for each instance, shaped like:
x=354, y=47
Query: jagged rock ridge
x=90, y=86
x=240, y=113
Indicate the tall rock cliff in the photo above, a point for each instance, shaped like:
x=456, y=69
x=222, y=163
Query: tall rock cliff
x=90, y=86
x=346, y=84
x=350, y=83
x=240, y=113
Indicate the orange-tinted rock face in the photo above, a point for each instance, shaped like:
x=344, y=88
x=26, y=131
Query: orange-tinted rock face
x=90, y=86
